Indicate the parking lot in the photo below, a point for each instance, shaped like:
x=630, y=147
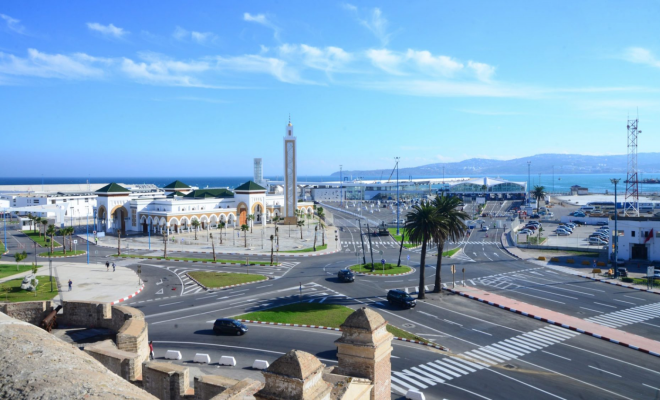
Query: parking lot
x=579, y=238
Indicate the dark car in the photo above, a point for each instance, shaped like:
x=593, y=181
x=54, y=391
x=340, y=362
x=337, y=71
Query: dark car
x=229, y=326
x=535, y=216
x=400, y=298
x=622, y=272
x=346, y=275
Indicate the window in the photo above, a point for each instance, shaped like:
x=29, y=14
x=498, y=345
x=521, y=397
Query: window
x=632, y=233
x=657, y=234
x=52, y=202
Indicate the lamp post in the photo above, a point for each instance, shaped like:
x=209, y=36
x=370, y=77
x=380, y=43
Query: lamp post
x=397, y=195
x=4, y=219
x=87, y=233
x=150, y=223
x=341, y=183
x=616, y=231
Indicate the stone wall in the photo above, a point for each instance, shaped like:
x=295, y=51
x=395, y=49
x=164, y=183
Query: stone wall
x=165, y=380
x=32, y=312
x=88, y=314
x=244, y=389
x=208, y=386
x=122, y=363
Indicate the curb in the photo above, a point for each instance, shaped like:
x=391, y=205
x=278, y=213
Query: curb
x=339, y=330
x=412, y=270
x=128, y=297
x=77, y=255
x=201, y=262
x=619, y=284
x=224, y=287
x=407, y=248
x=536, y=317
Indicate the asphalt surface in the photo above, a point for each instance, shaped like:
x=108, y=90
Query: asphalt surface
x=491, y=353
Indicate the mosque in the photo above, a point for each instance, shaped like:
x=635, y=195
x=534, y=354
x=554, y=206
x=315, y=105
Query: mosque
x=173, y=210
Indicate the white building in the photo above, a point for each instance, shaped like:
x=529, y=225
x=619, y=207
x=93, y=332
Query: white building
x=639, y=238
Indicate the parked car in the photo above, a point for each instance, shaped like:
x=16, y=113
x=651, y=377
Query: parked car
x=563, y=233
x=602, y=223
x=622, y=272
x=229, y=326
x=598, y=241
x=526, y=232
x=400, y=298
x=346, y=275
x=535, y=216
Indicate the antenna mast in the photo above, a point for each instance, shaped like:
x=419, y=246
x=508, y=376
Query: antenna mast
x=631, y=200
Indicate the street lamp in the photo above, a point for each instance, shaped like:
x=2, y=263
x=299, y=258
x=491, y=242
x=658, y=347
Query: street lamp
x=616, y=231
x=397, y=195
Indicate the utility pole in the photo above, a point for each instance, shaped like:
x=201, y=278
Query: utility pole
x=443, y=181
x=529, y=182
x=341, y=187
x=371, y=248
x=616, y=231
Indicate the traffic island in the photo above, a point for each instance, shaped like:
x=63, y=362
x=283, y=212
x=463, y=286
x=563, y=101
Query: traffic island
x=61, y=254
x=388, y=269
x=320, y=316
x=307, y=250
x=41, y=239
x=221, y=280
x=199, y=260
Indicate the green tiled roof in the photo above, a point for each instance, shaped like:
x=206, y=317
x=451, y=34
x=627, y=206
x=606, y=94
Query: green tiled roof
x=249, y=185
x=113, y=188
x=210, y=194
x=177, y=185
x=175, y=194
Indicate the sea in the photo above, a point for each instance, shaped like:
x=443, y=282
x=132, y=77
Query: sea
x=560, y=183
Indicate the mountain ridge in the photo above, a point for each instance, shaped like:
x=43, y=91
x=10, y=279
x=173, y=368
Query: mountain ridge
x=540, y=163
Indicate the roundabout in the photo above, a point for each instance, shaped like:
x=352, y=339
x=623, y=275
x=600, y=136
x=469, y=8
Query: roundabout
x=387, y=269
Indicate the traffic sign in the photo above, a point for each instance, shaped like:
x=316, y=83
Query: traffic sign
x=650, y=271
x=380, y=251
x=408, y=257
x=453, y=269
x=75, y=241
x=382, y=261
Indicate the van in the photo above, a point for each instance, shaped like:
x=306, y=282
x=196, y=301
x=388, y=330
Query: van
x=587, y=208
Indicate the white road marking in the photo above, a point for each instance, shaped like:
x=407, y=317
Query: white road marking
x=553, y=354
x=169, y=304
x=607, y=372
x=606, y=305
x=476, y=330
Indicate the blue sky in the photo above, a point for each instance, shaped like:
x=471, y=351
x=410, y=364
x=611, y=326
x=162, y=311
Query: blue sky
x=165, y=88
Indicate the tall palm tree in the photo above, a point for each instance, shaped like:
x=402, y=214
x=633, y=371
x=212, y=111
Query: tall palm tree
x=195, y=224
x=63, y=232
x=165, y=239
x=37, y=225
x=51, y=232
x=70, y=231
x=212, y=245
x=118, y=242
x=250, y=218
x=321, y=214
x=271, y=249
x=451, y=225
x=221, y=225
x=539, y=194
x=421, y=225
x=29, y=215
x=276, y=220
x=245, y=228
x=316, y=229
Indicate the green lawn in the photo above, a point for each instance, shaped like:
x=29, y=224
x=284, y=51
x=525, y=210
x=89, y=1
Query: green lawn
x=61, y=253
x=220, y=279
x=16, y=294
x=41, y=240
x=12, y=269
x=2, y=248
x=451, y=252
x=330, y=315
x=195, y=259
x=308, y=250
x=396, y=237
x=642, y=281
x=388, y=270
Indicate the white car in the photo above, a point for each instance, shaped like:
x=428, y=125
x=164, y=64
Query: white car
x=563, y=233
x=526, y=232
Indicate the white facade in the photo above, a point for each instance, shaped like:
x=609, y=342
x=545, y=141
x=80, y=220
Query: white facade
x=633, y=235
x=75, y=205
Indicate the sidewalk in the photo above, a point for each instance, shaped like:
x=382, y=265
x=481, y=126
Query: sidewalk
x=565, y=321
x=91, y=282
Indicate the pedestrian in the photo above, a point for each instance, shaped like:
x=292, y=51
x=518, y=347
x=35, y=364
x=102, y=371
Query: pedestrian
x=151, y=350
x=107, y=266
x=70, y=285
x=113, y=267
x=96, y=241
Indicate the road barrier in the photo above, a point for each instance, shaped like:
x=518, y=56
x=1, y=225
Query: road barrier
x=227, y=360
x=202, y=358
x=260, y=364
x=173, y=355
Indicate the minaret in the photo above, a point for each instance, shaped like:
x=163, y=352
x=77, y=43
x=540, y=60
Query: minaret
x=290, y=179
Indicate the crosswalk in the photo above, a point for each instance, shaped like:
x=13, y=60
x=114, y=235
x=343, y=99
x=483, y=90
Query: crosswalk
x=456, y=366
x=628, y=316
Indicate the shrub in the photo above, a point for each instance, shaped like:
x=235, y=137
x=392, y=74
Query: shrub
x=585, y=262
x=570, y=261
x=554, y=259
x=541, y=258
x=627, y=280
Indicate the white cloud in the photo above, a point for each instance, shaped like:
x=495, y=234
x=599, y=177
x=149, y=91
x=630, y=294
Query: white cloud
x=164, y=72
x=329, y=59
x=180, y=33
x=374, y=21
x=42, y=65
x=434, y=65
x=443, y=88
x=640, y=55
x=483, y=72
x=13, y=24
x=108, y=30
x=386, y=60
x=183, y=35
x=260, y=64
x=262, y=20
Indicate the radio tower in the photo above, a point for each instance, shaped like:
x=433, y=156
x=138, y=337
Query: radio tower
x=631, y=201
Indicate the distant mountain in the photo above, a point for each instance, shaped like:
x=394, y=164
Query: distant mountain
x=563, y=164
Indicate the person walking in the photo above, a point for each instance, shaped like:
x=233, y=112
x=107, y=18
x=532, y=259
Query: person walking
x=96, y=241
x=107, y=266
x=113, y=267
x=151, y=350
x=70, y=285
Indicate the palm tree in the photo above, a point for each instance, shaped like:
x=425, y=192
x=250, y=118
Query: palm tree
x=165, y=239
x=421, y=225
x=37, y=223
x=221, y=225
x=250, y=218
x=44, y=222
x=301, y=223
x=29, y=215
x=271, y=249
x=69, y=230
x=51, y=232
x=118, y=242
x=316, y=229
x=212, y=245
x=539, y=194
x=62, y=232
x=245, y=228
x=276, y=220
x=451, y=226
x=321, y=214
x=195, y=224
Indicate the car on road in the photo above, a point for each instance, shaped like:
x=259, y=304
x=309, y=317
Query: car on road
x=400, y=298
x=579, y=214
x=535, y=216
x=346, y=275
x=229, y=326
x=485, y=228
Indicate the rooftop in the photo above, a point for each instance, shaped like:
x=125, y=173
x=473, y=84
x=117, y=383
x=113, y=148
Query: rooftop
x=113, y=188
x=249, y=185
x=177, y=185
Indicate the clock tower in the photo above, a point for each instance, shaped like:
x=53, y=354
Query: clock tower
x=290, y=179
